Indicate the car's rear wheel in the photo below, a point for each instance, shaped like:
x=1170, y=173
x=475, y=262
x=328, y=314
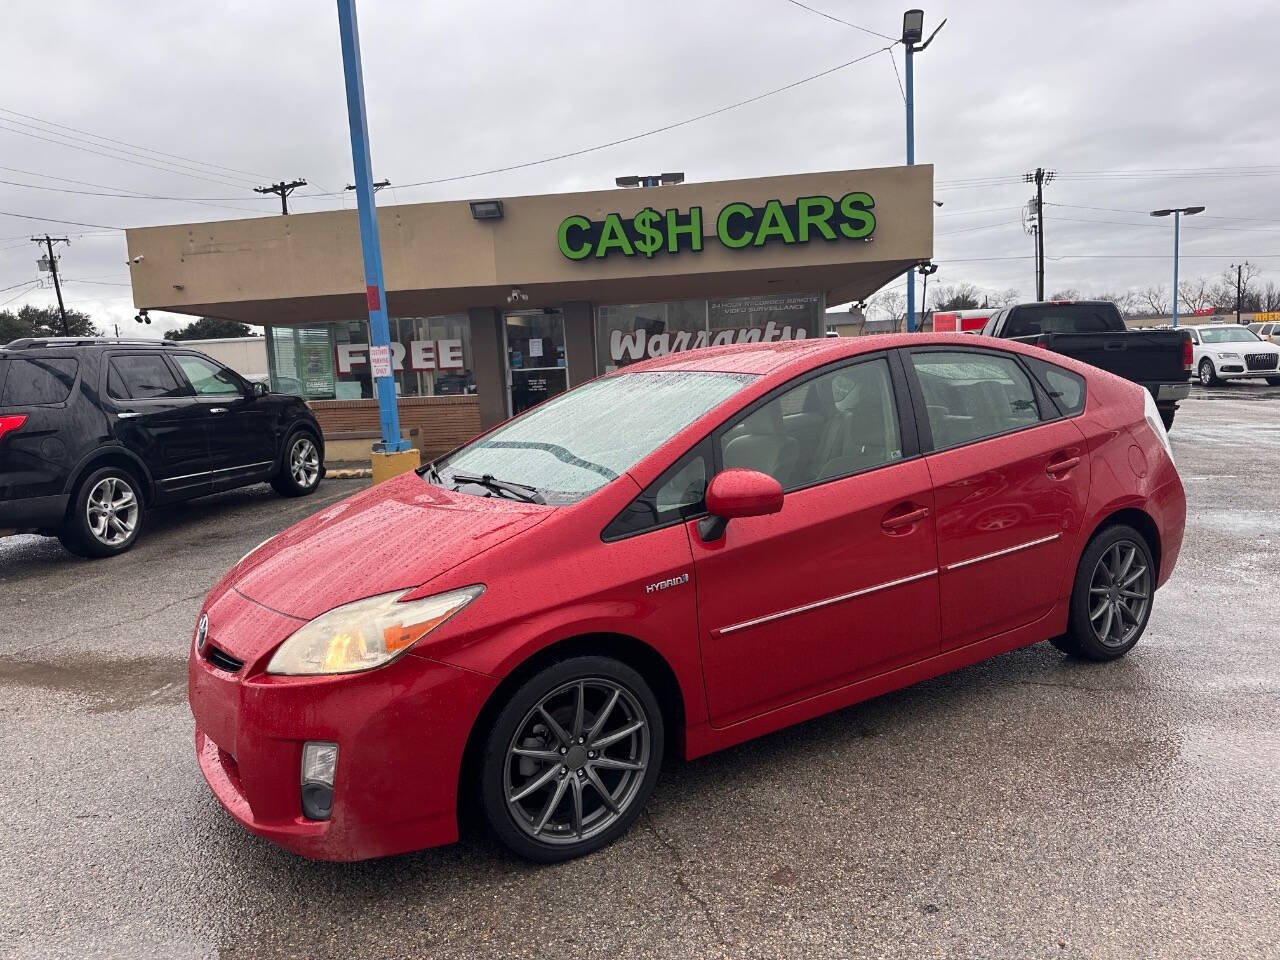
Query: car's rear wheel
x=571, y=759
x=1111, y=597
x=105, y=515
x=300, y=469
x=1208, y=376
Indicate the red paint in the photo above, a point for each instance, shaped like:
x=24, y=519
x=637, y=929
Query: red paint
x=11, y=423
x=374, y=296
x=743, y=493
x=882, y=546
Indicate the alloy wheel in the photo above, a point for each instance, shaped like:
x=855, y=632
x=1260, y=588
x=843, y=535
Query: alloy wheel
x=577, y=761
x=304, y=463
x=112, y=511
x=1119, y=593
x=1206, y=373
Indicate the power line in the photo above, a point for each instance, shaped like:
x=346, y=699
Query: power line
x=1203, y=216
x=134, y=195
x=647, y=133
x=282, y=190
x=110, y=156
x=74, y=223
x=894, y=63
x=874, y=33
x=124, y=143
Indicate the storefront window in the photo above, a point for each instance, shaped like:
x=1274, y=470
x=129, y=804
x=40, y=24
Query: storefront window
x=626, y=333
x=431, y=356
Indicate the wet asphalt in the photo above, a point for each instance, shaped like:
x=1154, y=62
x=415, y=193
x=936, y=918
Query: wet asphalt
x=1029, y=806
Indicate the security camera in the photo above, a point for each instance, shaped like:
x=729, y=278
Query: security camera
x=516, y=295
x=142, y=316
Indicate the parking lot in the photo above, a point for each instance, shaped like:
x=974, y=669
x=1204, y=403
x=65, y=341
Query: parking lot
x=1029, y=806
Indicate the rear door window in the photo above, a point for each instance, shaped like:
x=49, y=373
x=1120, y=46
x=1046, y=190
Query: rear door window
x=971, y=396
x=34, y=382
x=143, y=376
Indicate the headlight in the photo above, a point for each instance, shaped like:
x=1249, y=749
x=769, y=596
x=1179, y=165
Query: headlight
x=367, y=633
x=1228, y=355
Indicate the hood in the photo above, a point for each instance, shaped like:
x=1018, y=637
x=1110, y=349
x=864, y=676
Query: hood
x=396, y=535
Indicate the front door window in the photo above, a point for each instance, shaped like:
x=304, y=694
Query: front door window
x=535, y=358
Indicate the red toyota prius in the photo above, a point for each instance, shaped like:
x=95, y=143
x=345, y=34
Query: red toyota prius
x=693, y=551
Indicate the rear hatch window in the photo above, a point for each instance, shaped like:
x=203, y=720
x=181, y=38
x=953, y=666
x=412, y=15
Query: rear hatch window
x=38, y=381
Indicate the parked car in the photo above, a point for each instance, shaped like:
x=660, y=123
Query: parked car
x=1230, y=352
x=1093, y=331
x=96, y=432
x=1266, y=331
x=696, y=550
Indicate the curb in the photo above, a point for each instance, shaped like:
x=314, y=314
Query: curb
x=355, y=473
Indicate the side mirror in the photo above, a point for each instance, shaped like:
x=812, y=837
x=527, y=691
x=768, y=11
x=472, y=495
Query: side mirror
x=260, y=389
x=738, y=493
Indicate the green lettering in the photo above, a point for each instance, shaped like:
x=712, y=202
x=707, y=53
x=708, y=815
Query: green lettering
x=859, y=220
x=774, y=224
x=562, y=236
x=722, y=225
x=613, y=236
x=692, y=230
x=815, y=212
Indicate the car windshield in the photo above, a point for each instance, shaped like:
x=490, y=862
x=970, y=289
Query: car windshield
x=1227, y=335
x=572, y=445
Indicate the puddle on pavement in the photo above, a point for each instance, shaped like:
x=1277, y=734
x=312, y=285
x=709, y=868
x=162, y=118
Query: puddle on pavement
x=101, y=685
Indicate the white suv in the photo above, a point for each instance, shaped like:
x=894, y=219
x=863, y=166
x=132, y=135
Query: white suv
x=1232, y=352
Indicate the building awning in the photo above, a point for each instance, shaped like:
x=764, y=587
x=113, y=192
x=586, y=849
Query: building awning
x=843, y=233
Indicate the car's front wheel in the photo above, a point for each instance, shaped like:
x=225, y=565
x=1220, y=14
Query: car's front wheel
x=571, y=759
x=105, y=514
x=301, y=469
x=1208, y=376
x=1111, y=598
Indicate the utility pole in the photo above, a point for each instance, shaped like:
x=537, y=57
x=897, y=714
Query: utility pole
x=1039, y=178
x=48, y=242
x=912, y=32
x=282, y=190
x=1239, y=285
x=378, y=185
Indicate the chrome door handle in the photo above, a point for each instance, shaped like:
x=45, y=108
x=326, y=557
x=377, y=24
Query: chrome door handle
x=217, y=409
x=127, y=414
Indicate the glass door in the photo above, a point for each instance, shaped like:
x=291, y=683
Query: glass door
x=535, y=358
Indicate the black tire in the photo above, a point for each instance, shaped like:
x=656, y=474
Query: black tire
x=1166, y=417
x=1093, y=632
x=105, y=514
x=299, y=477
x=574, y=782
x=1208, y=376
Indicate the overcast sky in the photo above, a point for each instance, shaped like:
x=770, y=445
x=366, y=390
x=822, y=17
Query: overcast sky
x=1120, y=98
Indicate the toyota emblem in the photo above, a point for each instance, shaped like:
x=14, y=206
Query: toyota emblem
x=202, y=631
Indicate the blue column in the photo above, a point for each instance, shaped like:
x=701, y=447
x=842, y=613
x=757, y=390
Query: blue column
x=370, y=246
x=911, y=159
x=1177, y=214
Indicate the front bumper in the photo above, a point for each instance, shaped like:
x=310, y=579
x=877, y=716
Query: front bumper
x=401, y=731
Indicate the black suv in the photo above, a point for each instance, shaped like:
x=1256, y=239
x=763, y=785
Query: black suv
x=94, y=432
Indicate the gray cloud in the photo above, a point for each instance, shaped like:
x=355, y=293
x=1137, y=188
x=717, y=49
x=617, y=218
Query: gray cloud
x=1074, y=86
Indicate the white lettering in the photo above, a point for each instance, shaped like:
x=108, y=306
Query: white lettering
x=624, y=346
x=449, y=353
x=351, y=355
x=423, y=354
x=638, y=345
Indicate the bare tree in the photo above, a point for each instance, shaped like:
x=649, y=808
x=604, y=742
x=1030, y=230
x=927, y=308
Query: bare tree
x=1156, y=300
x=1005, y=298
x=1126, y=301
x=1269, y=296
x=957, y=296
x=1197, y=294
x=1069, y=293
x=890, y=304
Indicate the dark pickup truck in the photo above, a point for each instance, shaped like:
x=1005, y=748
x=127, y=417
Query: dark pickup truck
x=1093, y=332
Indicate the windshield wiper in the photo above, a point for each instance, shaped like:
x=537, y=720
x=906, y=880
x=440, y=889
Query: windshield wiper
x=520, y=491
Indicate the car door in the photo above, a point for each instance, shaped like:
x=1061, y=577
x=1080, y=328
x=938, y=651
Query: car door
x=241, y=426
x=841, y=584
x=156, y=417
x=1010, y=484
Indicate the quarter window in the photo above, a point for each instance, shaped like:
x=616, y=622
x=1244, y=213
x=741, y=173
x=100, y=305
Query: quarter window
x=970, y=396
x=208, y=379
x=676, y=495
x=141, y=378
x=33, y=382
x=1065, y=387
x=830, y=426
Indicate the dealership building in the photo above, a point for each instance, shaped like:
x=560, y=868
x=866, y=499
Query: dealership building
x=497, y=304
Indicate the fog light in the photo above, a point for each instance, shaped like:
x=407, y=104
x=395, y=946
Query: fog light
x=319, y=766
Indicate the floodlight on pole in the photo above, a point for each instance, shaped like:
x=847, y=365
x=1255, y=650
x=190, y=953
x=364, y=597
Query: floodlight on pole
x=1178, y=213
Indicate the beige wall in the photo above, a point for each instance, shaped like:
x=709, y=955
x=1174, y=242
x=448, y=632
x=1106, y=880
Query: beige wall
x=247, y=356
x=438, y=259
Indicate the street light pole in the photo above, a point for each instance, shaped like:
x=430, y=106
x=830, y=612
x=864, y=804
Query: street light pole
x=370, y=247
x=1177, y=218
x=912, y=32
